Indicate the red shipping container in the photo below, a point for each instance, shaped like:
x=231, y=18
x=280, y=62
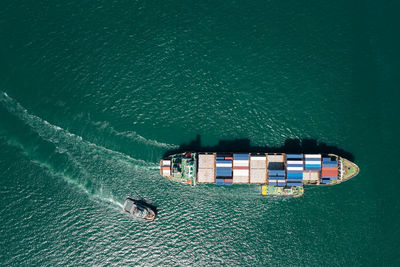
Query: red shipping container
x=231, y=158
x=166, y=168
x=240, y=168
x=228, y=180
x=329, y=173
x=329, y=168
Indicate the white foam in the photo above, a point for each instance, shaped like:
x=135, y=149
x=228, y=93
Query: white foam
x=132, y=135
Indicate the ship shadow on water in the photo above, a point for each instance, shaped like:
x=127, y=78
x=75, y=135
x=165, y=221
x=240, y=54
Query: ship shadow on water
x=306, y=146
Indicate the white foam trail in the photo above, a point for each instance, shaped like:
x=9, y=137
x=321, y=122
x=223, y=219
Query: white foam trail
x=133, y=135
x=82, y=155
x=56, y=134
x=75, y=182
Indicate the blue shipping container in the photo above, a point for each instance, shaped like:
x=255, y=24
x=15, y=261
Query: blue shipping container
x=224, y=161
x=241, y=155
x=290, y=175
x=312, y=169
x=294, y=156
x=276, y=173
x=295, y=179
x=295, y=165
x=329, y=165
x=219, y=181
x=313, y=159
x=313, y=165
x=224, y=172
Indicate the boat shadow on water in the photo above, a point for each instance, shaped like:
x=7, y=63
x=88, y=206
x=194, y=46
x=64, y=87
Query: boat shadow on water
x=143, y=202
x=306, y=146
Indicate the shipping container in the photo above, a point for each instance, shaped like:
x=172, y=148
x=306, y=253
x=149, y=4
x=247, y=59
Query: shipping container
x=294, y=168
x=223, y=161
x=224, y=165
x=329, y=174
x=330, y=166
x=257, y=176
x=295, y=179
x=240, y=172
x=295, y=165
x=292, y=175
x=166, y=163
x=206, y=161
x=294, y=156
x=294, y=162
x=240, y=162
x=309, y=156
x=240, y=179
x=205, y=176
x=223, y=170
x=276, y=172
x=264, y=158
x=313, y=165
x=219, y=181
x=241, y=156
x=312, y=168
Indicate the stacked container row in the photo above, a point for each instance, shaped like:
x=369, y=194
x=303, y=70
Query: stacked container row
x=276, y=169
x=223, y=170
x=329, y=170
x=276, y=177
x=258, y=164
x=313, y=162
x=240, y=168
x=294, y=167
x=206, y=168
x=166, y=168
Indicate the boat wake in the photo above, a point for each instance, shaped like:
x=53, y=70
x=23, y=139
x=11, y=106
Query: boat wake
x=132, y=135
x=91, y=168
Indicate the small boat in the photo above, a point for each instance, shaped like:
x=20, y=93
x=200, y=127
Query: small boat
x=139, y=209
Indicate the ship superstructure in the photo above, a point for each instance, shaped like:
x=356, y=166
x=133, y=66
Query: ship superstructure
x=277, y=173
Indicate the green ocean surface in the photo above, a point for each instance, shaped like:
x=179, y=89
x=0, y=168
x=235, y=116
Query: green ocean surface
x=93, y=93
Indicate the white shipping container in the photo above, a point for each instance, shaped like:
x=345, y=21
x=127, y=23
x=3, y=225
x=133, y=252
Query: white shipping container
x=313, y=162
x=166, y=163
x=272, y=181
x=224, y=164
x=294, y=162
x=313, y=156
x=240, y=163
x=264, y=158
x=294, y=168
x=240, y=179
x=240, y=172
x=166, y=172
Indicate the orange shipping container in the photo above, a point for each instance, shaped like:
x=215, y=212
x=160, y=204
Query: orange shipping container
x=330, y=173
x=167, y=168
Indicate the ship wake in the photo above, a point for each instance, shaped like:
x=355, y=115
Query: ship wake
x=88, y=167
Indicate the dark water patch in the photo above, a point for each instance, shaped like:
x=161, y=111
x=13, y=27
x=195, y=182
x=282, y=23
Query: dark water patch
x=307, y=146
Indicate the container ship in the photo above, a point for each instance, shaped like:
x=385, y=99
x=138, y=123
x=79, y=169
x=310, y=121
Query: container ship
x=277, y=174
